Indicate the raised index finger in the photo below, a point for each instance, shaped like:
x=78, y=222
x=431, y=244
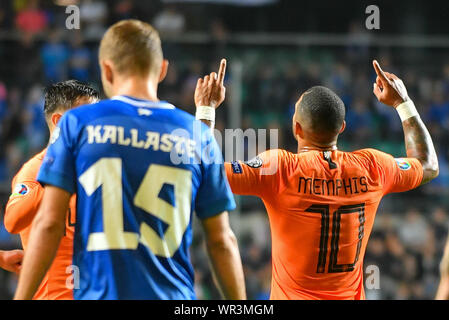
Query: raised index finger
x=381, y=74
x=222, y=71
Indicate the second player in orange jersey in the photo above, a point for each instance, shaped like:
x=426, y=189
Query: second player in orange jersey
x=27, y=193
x=322, y=202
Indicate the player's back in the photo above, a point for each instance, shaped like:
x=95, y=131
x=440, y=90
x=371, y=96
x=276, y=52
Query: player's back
x=327, y=216
x=321, y=207
x=139, y=180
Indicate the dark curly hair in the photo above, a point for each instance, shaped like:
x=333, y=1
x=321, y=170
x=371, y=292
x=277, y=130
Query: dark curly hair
x=62, y=95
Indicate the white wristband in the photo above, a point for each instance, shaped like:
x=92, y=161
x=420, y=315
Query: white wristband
x=205, y=113
x=407, y=110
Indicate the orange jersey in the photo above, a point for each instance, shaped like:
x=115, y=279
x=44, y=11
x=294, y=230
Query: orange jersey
x=19, y=214
x=321, y=208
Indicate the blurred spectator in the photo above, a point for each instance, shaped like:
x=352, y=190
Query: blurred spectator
x=219, y=35
x=25, y=61
x=34, y=120
x=170, y=85
x=3, y=19
x=360, y=122
x=124, y=9
x=3, y=103
x=94, y=14
x=169, y=21
x=55, y=55
x=32, y=19
x=413, y=230
x=255, y=261
x=80, y=59
x=439, y=109
x=440, y=226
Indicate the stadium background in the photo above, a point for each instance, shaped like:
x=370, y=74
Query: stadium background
x=276, y=50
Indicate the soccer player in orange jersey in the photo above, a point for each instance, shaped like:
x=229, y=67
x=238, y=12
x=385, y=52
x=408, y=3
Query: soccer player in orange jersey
x=321, y=201
x=27, y=193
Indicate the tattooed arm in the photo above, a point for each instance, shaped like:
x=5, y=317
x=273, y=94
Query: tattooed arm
x=390, y=90
x=419, y=145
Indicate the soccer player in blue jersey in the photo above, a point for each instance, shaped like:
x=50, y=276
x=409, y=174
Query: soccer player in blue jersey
x=139, y=169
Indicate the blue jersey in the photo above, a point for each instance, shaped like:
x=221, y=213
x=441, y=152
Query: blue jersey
x=139, y=169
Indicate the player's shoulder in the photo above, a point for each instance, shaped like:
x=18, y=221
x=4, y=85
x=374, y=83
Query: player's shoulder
x=371, y=154
x=30, y=169
x=272, y=159
x=276, y=154
x=124, y=105
x=373, y=158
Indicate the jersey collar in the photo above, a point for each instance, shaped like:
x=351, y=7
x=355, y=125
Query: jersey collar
x=143, y=103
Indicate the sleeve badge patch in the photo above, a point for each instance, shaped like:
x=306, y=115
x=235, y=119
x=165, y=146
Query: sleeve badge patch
x=20, y=190
x=256, y=163
x=403, y=164
x=236, y=167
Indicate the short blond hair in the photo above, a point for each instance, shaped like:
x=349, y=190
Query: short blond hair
x=133, y=46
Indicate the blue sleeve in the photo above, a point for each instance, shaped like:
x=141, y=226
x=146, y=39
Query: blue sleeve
x=58, y=167
x=214, y=194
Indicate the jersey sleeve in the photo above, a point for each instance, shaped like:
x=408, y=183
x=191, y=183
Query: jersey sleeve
x=22, y=205
x=214, y=195
x=58, y=167
x=399, y=175
x=257, y=177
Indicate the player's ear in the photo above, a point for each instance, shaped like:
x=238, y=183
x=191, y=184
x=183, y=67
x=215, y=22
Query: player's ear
x=343, y=127
x=55, y=117
x=107, y=71
x=298, y=131
x=164, y=70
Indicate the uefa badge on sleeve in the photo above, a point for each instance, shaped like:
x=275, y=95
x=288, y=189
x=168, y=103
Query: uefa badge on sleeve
x=20, y=189
x=255, y=163
x=403, y=164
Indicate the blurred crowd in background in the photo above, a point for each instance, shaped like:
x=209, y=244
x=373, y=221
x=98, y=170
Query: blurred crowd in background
x=409, y=235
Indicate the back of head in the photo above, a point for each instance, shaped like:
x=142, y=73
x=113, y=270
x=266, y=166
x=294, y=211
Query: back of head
x=64, y=95
x=134, y=48
x=322, y=113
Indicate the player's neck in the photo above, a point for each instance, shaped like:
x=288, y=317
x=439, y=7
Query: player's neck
x=306, y=146
x=138, y=88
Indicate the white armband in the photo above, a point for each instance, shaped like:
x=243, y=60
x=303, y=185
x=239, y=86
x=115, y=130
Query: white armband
x=205, y=113
x=407, y=110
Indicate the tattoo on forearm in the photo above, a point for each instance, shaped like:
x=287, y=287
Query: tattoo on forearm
x=419, y=145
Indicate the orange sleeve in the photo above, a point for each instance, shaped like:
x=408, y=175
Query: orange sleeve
x=24, y=202
x=255, y=177
x=399, y=175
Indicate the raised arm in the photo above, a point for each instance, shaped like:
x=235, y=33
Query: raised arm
x=390, y=90
x=209, y=95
